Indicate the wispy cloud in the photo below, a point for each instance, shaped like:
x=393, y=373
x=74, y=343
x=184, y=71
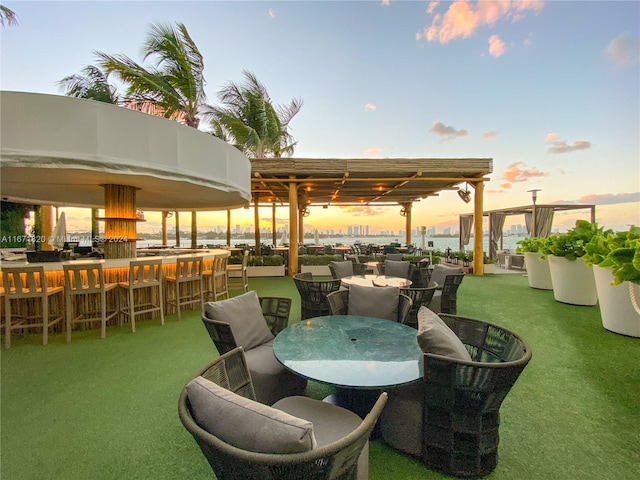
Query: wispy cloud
x=624, y=49
x=489, y=135
x=370, y=107
x=363, y=211
x=497, y=47
x=385, y=3
x=562, y=146
x=518, y=172
x=370, y=152
x=464, y=18
x=447, y=132
x=606, y=198
x=431, y=7
x=272, y=13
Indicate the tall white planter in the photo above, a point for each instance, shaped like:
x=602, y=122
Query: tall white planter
x=616, y=309
x=572, y=281
x=538, y=273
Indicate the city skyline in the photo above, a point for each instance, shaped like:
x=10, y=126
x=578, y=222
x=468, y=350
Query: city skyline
x=549, y=90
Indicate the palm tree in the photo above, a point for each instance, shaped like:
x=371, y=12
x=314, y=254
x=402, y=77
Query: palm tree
x=7, y=16
x=174, y=85
x=92, y=83
x=249, y=120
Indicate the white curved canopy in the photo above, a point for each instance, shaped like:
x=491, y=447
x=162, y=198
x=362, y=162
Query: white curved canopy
x=61, y=150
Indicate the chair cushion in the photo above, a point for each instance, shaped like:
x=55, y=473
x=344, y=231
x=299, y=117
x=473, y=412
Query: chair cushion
x=440, y=272
x=247, y=424
x=379, y=302
x=342, y=269
x=244, y=314
x=434, y=336
x=394, y=268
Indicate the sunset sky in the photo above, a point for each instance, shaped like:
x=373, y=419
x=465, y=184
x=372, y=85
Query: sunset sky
x=549, y=90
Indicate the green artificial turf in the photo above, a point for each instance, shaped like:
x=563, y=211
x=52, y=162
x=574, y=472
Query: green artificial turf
x=107, y=409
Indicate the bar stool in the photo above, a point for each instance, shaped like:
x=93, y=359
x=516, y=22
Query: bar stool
x=25, y=286
x=143, y=275
x=187, y=283
x=216, y=280
x=244, y=275
x=86, y=296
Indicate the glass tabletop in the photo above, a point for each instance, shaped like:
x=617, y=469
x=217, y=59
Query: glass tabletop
x=376, y=281
x=351, y=351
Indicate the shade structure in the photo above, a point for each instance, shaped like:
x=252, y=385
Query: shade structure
x=61, y=150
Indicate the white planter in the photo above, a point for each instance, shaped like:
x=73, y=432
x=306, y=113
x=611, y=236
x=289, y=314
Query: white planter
x=538, y=272
x=616, y=309
x=266, y=271
x=320, y=270
x=489, y=268
x=572, y=281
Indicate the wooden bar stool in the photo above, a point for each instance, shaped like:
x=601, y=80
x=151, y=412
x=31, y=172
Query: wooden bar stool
x=86, y=296
x=143, y=290
x=216, y=280
x=244, y=275
x=26, y=288
x=187, y=285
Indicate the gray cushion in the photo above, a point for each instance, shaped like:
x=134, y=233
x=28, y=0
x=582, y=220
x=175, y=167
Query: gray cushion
x=247, y=424
x=244, y=314
x=379, y=302
x=440, y=272
x=396, y=269
x=434, y=336
x=342, y=269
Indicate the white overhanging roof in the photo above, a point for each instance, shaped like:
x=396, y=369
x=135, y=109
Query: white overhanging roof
x=61, y=150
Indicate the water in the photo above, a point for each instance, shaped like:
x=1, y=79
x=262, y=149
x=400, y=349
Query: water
x=440, y=243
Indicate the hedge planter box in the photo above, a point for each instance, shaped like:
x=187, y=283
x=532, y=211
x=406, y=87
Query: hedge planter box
x=572, y=281
x=489, y=268
x=320, y=270
x=616, y=309
x=538, y=273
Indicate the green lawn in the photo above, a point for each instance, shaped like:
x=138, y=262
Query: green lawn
x=107, y=409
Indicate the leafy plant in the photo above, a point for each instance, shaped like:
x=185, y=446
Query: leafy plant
x=314, y=260
x=619, y=251
x=265, y=261
x=235, y=260
x=488, y=260
x=571, y=245
x=531, y=244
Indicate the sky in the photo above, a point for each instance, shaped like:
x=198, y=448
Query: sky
x=550, y=90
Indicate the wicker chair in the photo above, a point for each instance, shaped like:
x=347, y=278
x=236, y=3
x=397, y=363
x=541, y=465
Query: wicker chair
x=271, y=380
x=420, y=297
x=341, y=453
x=313, y=294
x=355, y=269
x=446, y=300
x=339, y=304
x=451, y=420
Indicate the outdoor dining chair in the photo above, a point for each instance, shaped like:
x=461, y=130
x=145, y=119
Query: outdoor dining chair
x=421, y=297
x=450, y=420
x=313, y=294
x=378, y=302
x=252, y=323
x=346, y=269
x=297, y=438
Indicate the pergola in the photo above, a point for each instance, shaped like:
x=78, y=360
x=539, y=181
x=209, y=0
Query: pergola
x=303, y=182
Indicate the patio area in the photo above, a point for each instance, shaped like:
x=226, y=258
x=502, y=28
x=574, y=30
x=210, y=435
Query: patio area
x=107, y=409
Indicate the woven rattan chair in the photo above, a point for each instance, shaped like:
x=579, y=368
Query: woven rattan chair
x=341, y=453
x=313, y=294
x=451, y=419
x=355, y=269
x=410, y=269
x=271, y=380
x=420, y=297
x=339, y=304
x=446, y=300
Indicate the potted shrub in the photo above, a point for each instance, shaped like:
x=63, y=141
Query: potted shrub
x=572, y=278
x=615, y=257
x=318, y=264
x=265, y=266
x=537, y=264
x=489, y=265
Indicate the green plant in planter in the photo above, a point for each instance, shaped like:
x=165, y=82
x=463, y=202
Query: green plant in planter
x=531, y=244
x=235, y=260
x=488, y=260
x=619, y=251
x=315, y=260
x=571, y=245
x=265, y=261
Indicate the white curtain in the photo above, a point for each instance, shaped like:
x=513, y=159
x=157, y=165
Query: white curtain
x=544, y=221
x=466, y=223
x=496, y=220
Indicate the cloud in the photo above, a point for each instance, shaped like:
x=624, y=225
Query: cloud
x=370, y=152
x=385, y=3
x=272, y=13
x=363, y=211
x=463, y=18
x=561, y=146
x=624, y=49
x=448, y=132
x=431, y=7
x=609, y=198
x=370, y=107
x=497, y=47
x=517, y=172
x=489, y=135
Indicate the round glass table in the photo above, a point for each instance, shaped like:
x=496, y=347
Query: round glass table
x=376, y=281
x=351, y=352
